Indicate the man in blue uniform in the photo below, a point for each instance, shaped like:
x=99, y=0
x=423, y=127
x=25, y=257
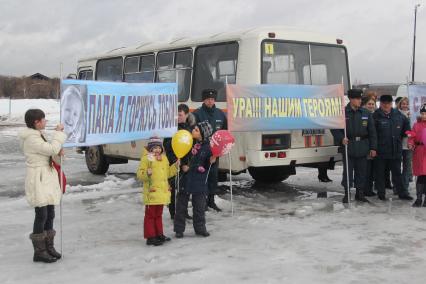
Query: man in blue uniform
x=361, y=141
x=217, y=120
x=391, y=126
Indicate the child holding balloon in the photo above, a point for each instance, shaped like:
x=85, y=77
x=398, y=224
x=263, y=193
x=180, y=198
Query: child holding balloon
x=416, y=142
x=154, y=171
x=193, y=182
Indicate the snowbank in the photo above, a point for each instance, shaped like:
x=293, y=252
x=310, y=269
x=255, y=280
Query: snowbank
x=19, y=107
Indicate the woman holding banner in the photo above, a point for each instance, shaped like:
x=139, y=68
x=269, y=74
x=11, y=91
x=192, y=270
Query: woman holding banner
x=42, y=188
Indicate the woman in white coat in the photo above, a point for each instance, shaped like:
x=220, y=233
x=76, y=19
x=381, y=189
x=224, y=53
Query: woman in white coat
x=42, y=188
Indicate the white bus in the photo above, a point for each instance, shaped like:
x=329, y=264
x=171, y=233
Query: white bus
x=275, y=55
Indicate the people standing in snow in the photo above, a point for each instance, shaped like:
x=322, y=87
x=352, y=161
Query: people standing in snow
x=407, y=171
x=361, y=142
x=391, y=126
x=154, y=171
x=369, y=103
x=416, y=143
x=194, y=182
x=42, y=188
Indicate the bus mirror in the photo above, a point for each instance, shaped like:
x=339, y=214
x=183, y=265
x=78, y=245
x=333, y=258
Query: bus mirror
x=71, y=76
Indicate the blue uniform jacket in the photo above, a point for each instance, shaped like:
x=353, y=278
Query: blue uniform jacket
x=213, y=115
x=390, y=129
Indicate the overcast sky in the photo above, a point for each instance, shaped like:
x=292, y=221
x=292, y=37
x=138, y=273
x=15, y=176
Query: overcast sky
x=35, y=36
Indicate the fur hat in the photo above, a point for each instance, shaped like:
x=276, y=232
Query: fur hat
x=386, y=99
x=423, y=108
x=206, y=129
x=355, y=93
x=208, y=93
x=154, y=141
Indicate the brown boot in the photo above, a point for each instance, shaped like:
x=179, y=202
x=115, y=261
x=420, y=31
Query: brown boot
x=40, y=252
x=50, y=236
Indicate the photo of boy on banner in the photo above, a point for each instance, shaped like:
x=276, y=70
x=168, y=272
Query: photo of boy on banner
x=73, y=112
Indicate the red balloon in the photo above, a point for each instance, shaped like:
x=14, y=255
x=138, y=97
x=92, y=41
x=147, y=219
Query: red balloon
x=221, y=143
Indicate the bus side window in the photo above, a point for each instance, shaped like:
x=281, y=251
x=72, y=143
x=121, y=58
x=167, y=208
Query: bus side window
x=176, y=63
x=85, y=75
x=214, y=66
x=139, y=69
x=110, y=69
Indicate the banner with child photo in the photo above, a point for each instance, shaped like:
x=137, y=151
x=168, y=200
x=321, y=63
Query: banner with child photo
x=95, y=113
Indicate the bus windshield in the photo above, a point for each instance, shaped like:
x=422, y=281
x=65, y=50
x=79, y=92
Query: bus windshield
x=303, y=63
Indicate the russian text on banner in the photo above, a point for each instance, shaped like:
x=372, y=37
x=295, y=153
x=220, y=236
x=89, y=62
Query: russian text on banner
x=417, y=97
x=95, y=113
x=285, y=107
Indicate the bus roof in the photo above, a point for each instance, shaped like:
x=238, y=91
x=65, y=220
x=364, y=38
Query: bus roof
x=281, y=32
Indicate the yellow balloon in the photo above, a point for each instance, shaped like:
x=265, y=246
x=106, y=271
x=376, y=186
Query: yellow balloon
x=182, y=143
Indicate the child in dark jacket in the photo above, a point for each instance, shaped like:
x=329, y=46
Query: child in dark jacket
x=194, y=182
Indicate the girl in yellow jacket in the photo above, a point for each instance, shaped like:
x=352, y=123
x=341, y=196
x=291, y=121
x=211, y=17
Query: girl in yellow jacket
x=154, y=171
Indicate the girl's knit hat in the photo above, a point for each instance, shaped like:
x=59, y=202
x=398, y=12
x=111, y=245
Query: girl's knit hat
x=206, y=129
x=154, y=141
x=423, y=108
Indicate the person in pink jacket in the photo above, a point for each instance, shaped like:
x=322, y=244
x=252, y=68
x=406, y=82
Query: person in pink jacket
x=416, y=142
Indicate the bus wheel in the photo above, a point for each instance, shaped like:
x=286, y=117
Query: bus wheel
x=96, y=161
x=269, y=174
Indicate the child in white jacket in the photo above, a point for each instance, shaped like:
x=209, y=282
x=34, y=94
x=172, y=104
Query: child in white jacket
x=42, y=188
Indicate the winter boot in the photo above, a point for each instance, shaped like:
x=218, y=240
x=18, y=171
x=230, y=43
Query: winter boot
x=163, y=238
x=405, y=196
x=188, y=217
x=359, y=196
x=203, y=233
x=154, y=242
x=369, y=193
x=419, y=195
x=40, y=252
x=212, y=204
x=50, y=236
x=345, y=198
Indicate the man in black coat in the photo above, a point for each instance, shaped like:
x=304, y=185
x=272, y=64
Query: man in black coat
x=391, y=127
x=361, y=141
x=217, y=120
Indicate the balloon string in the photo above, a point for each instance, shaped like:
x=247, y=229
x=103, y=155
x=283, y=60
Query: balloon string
x=207, y=177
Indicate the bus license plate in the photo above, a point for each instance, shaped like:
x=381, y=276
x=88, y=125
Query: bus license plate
x=312, y=132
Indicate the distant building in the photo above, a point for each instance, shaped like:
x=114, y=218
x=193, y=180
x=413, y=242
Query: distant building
x=39, y=76
x=382, y=89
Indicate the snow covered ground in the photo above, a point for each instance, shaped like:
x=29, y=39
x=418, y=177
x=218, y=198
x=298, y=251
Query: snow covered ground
x=19, y=107
x=278, y=234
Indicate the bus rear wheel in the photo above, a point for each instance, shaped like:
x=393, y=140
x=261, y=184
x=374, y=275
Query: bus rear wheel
x=96, y=161
x=269, y=174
